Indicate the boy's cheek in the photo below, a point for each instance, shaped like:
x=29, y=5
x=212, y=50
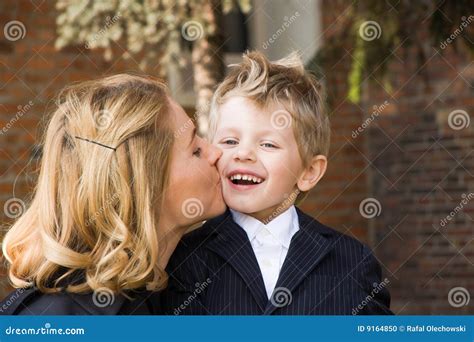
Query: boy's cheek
x=220, y=165
x=224, y=159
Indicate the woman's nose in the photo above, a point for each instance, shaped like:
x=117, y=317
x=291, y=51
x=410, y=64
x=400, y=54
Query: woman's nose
x=214, y=153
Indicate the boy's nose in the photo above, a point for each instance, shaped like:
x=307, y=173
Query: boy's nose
x=244, y=154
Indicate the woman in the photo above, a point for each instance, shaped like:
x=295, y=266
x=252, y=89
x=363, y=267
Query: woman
x=123, y=176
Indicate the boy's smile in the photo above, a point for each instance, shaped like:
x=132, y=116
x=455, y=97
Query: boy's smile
x=261, y=164
x=243, y=179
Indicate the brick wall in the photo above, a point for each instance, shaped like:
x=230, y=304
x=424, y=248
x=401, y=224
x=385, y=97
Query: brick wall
x=419, y=169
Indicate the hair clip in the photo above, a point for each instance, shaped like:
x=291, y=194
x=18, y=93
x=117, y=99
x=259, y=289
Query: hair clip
x=97, y=143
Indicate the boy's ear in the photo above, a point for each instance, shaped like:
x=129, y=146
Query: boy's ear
x=313, y=173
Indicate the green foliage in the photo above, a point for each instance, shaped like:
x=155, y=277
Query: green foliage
x=373, y=32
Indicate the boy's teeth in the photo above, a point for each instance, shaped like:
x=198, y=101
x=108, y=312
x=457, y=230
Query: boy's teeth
x=256, y=180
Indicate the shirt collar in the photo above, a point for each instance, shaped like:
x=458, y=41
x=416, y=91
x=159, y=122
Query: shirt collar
x=282, y=227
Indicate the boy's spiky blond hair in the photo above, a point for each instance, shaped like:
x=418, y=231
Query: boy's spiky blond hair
x=284, y=82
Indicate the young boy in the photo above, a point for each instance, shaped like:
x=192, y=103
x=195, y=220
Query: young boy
x=265, y=256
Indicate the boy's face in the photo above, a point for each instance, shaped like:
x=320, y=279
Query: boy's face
x=255, y=144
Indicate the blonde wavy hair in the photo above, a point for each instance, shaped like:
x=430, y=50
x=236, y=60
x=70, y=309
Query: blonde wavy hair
x=95, y=208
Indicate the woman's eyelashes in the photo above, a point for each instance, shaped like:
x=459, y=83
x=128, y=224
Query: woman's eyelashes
x=197, y=152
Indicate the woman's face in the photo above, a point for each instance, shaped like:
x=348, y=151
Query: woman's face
x=194, y=192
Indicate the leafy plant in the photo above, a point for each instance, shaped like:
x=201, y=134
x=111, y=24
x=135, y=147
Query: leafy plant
x=377, y=29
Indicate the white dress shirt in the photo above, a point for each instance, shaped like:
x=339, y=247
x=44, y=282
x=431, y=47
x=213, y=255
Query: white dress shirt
x=270, y=242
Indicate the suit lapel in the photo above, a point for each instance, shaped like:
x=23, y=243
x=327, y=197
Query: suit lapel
x=308, y=247
x=233, y=245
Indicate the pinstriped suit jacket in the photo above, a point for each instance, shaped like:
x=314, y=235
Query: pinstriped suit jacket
x=214, y=271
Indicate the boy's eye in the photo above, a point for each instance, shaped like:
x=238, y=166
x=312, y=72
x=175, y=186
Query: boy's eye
x=230, y=142
x=269, y=145
x=197, y=152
